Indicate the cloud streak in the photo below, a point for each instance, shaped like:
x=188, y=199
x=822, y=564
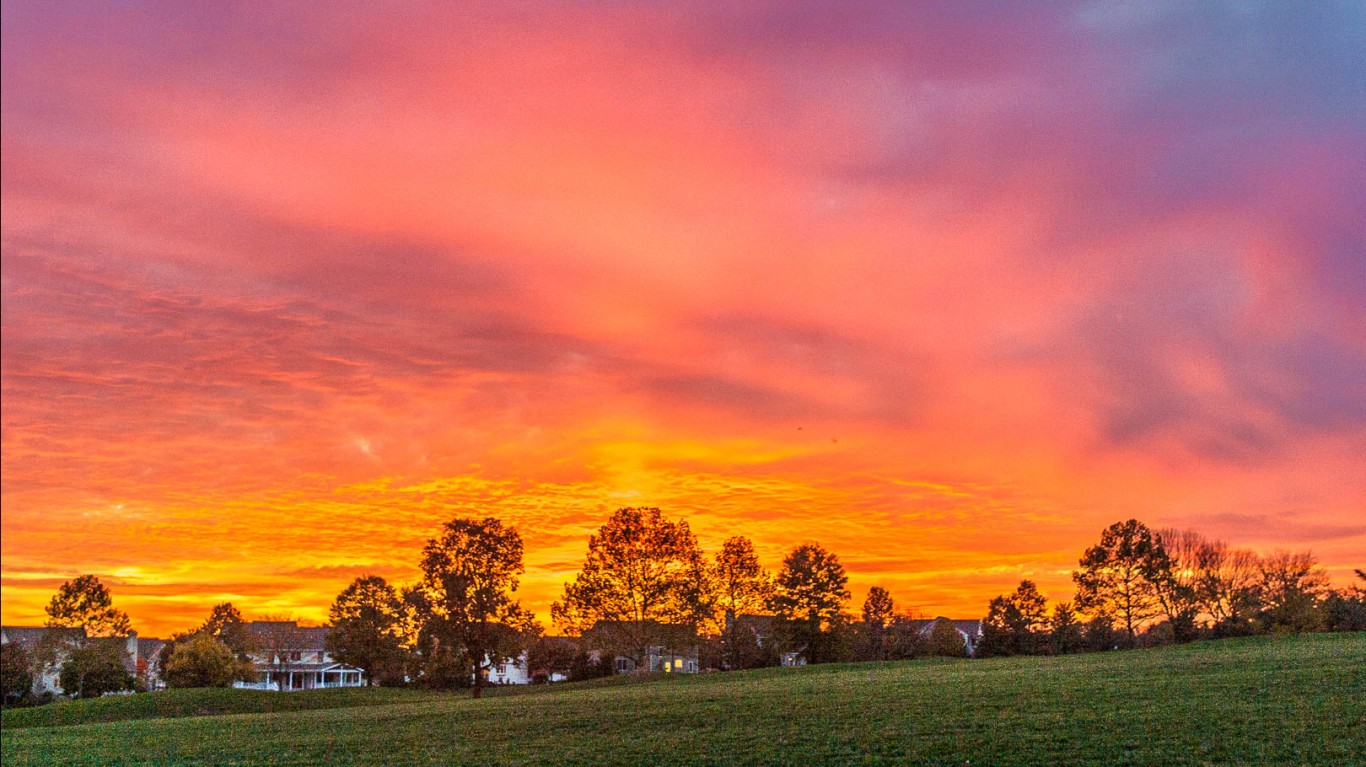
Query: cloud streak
x=947, y=290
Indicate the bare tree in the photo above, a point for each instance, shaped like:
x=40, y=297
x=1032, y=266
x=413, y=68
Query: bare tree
x=1291, y=586
x=1226, y=584
x=1175, y=582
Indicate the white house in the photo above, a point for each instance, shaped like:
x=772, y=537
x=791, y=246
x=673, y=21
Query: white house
x=292, y=657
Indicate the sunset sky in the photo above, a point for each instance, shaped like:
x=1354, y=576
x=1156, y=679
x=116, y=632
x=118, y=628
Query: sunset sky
x=947, y=288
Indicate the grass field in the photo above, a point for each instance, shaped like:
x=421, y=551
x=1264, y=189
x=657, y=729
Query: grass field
x=1283, y=701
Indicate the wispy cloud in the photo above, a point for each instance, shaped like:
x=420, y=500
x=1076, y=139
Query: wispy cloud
x=946, y=289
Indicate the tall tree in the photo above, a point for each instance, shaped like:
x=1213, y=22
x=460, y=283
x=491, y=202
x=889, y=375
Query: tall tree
x=1291, y=586
x=1117, y=576
x=1226, y=586
x=1015, y=623
x=226, y=624
x=643, y=573
x=810, y=592
x=366, y=622
x=85, y=603
x=1065, y=631
x=469, y=574
x=1176, y=584
x=878, y=612
x=742, y=587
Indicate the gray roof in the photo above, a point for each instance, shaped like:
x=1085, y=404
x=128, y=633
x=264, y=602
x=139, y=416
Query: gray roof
x=288, y=635
x=28, y=637
x=149, y=649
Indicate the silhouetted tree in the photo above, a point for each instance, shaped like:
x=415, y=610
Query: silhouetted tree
x=1290, y=586
x=1065, y=631
x=904, y=639
x=642, y=573
x=1345, y=609
x=1099, y=634
x=878, y=612
x=469, y=574
x=1226, y=587
x=742, y=587
x=1014, y=623
x=85, y=603
x=810, y=593
x=1118, y=576
x=366, y=620
x=1176, y=580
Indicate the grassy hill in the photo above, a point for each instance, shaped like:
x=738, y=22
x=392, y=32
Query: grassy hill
x=1291, y=700
x=202, y=702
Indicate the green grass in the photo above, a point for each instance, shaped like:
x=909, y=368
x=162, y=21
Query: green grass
x=1283, y=701
x=202, y=702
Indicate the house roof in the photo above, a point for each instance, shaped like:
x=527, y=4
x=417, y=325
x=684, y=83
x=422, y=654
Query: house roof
x=973, y=628
x=288, y=635
x=28, y=637
x=149, y=648
x=759, y=624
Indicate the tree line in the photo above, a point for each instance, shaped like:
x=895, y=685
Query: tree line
x=645, y=583
x=1142, y=587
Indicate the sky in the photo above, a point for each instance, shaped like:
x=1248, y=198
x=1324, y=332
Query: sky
x=947, y=287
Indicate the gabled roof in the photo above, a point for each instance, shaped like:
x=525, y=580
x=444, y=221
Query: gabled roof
x=28, y=637
x=149, y=648
x=759, y=624
x=925, y=626
x=288, y=635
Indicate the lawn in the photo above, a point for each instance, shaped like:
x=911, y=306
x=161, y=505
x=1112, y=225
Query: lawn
x=1266, y=700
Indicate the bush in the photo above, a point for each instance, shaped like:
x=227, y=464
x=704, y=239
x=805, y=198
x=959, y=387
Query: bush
x=94, y=669
x=202, y=661
x=16, y=673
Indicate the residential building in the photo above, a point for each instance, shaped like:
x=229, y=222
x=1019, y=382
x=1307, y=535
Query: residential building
x=48, y=648
x=293, y=657
x=971, y=631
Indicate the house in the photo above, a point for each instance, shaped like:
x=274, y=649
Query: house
x=148, y=668
x=971, y=631
x=509, y=671
x=48, y=648
x=293, y=657
x=667, y=648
